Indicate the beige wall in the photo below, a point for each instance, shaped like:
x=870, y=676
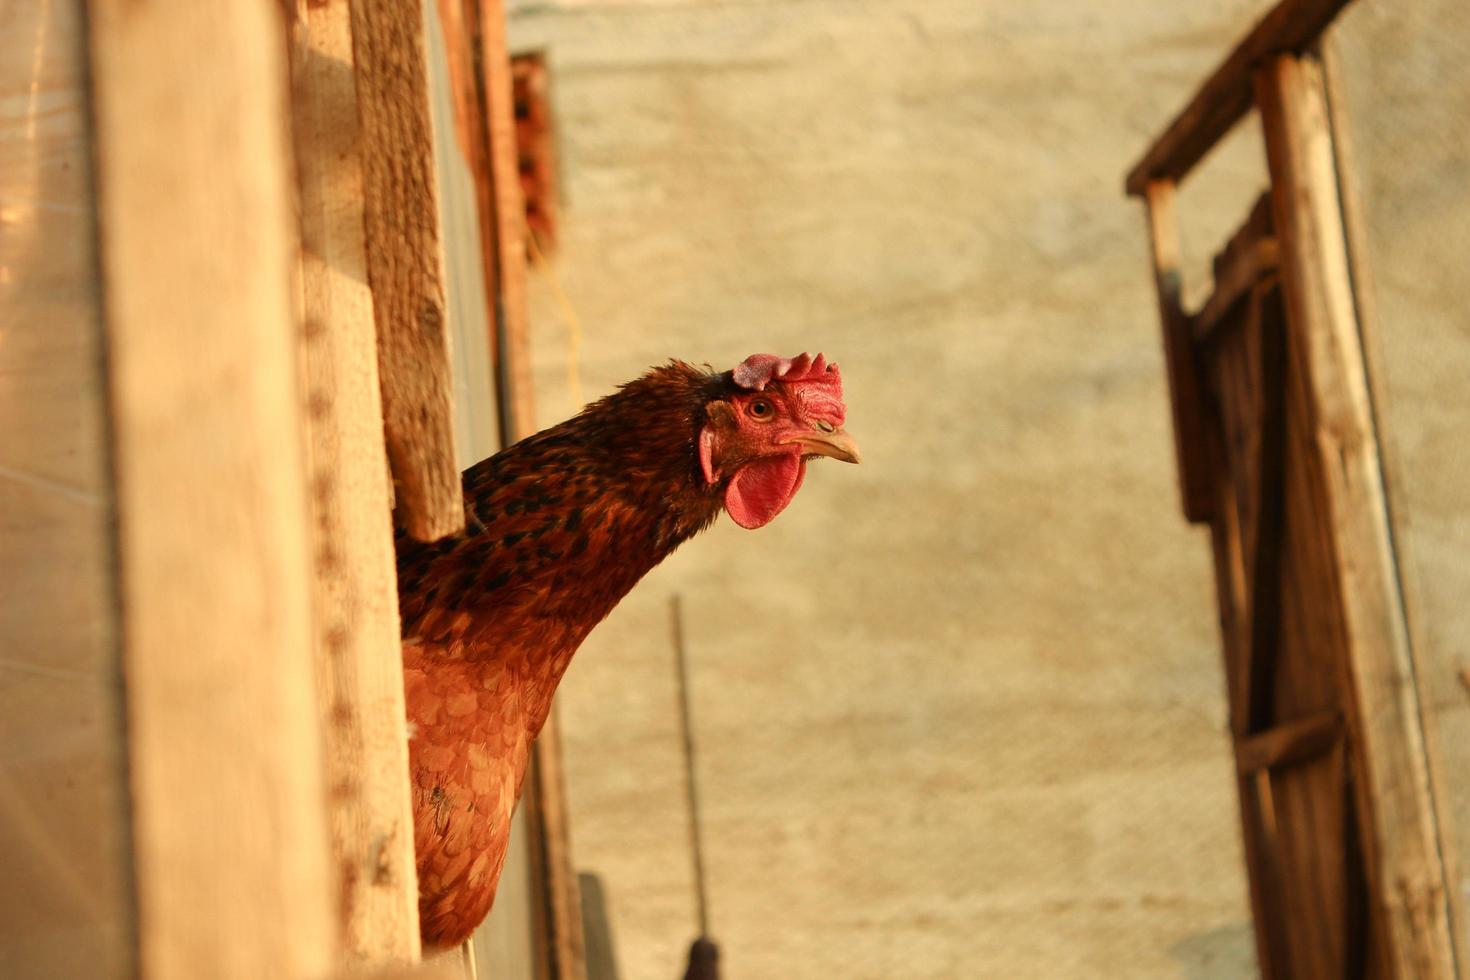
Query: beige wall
x=959, y=710
x=1407, y=95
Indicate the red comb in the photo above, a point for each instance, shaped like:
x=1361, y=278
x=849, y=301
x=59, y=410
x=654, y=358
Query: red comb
x=759, y=370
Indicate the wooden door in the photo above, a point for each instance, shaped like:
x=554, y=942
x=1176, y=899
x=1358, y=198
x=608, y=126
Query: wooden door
x=1277, y=443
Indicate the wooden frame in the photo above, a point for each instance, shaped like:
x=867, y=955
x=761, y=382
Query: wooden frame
x=1273, y=419
x=359, y=649
x=214, y=538
x=405, y=263
x=225, y=548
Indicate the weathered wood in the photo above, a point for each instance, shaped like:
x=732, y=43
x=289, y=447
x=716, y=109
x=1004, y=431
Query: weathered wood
x=1184, y=383
x=405, y=264
x=64, y=841
x=229, y=819
x=1405, y=872
x=1430, y=642
x=359, y=652
x=1288, y=744
x=1226, y=95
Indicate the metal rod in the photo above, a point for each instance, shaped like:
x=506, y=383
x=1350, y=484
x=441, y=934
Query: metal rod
x=690, y=783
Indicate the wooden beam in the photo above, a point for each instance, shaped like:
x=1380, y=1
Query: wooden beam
x=229, y=821
x=1179, y=359
x=405, y=264
x=1226, y=95
x=359, y=651
x=1288, y=744
x=1240, y=275
x=513, y=331
x=546, y=791
x=1407, y=881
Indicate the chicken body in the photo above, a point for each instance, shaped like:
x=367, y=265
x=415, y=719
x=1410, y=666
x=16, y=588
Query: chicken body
x=559, y=528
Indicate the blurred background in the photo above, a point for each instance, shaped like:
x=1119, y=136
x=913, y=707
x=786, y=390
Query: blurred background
x=959, y=712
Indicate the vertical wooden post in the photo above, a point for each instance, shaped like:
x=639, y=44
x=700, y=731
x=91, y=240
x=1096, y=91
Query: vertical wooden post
x=1184, y=393
x=503, y=217
x=1405, y=871
x=359, y=650
x=405, y=263
x=508, y=212
x=198, y=259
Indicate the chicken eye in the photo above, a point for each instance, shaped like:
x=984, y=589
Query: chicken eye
x=761, y=409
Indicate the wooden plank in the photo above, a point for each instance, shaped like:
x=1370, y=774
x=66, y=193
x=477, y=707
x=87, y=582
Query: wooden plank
x=1234, y=284
x=405, y=264
x=1258, y=832
x=1226, y=96
x=550, y=823
x=1406, y=875
x=66, y=903
x=1289, y=743
x=359, y=651
x=513, y=331
x=1179, y=359
x=1446, y=752
x=229, y=820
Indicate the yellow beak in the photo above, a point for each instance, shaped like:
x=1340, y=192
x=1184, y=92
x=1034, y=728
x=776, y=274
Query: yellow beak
x=835, y=445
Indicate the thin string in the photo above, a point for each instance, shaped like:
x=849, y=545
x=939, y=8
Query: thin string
x=695, y=836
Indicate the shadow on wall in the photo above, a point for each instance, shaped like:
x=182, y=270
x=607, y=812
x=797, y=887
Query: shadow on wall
x=1226, y=953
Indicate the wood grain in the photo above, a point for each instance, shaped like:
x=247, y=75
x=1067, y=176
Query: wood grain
x=405, y=264
x=359, y=652
x=198, y=260
x=1405, y=872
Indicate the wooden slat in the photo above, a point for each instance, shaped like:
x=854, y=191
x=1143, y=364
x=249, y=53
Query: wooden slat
x=1243, y=271
x=405, y=264
x=1179, y=358
x=1406, y=875
x=1258, y=833
x=512, y=340
x=1289, y=743
x=551, y=831
x=229, y=821
x=1445, y=761
x=359, y=651
x=1226, y=95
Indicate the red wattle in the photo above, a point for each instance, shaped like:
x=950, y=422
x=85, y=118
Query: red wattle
x=760, y=490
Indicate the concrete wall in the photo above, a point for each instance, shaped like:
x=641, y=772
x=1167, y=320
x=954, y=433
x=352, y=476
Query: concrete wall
x=959, y=711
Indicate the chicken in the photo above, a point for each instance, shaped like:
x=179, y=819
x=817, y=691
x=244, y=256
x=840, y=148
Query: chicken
x=559, y=527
